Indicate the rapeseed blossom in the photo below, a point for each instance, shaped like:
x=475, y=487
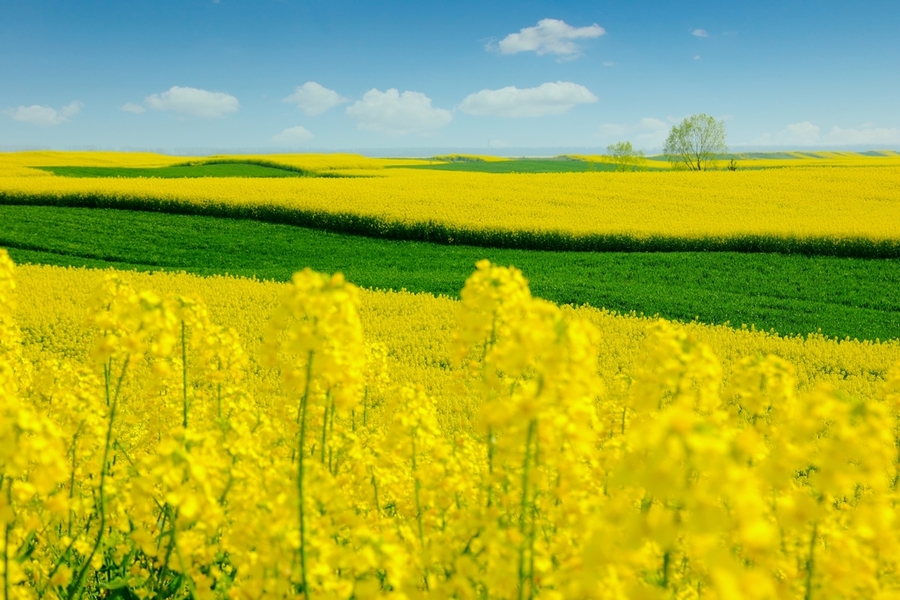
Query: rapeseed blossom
x=496, y=447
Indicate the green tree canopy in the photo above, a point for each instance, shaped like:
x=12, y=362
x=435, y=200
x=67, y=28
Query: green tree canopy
x=696, y=143
x=624, y=156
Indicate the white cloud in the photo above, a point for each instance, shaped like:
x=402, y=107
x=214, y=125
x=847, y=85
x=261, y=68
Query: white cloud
x=697, y=57
x=795, y=134
x=608, y=63
x=314, y=99
x=44, y=115
x=132, y=108
x=546, y=99
x=646, y=133
x=293, y=136
x=37, y=114
x=195, y=102
x=700, y=33
x=807, y=134
x=549, y=36
x=868, y=136
x=71, y=109
x=397, y=114
x=801, y=134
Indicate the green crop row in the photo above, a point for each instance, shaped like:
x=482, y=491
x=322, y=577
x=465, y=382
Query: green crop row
x=441, y=233
x=792, y=294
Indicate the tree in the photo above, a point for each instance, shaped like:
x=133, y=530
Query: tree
x=624, y=156
x=696, y=143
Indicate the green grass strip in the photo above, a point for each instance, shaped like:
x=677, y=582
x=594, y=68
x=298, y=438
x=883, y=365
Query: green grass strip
x=441, y=233
x=791, y=294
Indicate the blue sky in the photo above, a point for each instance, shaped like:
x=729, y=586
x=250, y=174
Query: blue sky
x=501, y=76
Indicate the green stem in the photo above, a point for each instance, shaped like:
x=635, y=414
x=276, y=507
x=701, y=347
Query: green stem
x=375, y=487
x=173, y=517
x=526, y=466
x=366, y=407
x=78, y=582
x=6, y=529
x=60, y=560
x=667, y=558
x=536, y=461
x=810, y=562
x=490, y=485
x=490, y=439
x=897, y=464
x=184, y=377
x=162, y=524
x=72, y=476
x=188, y=580
x=332, y=468
x=107, y=367
x=301, y=441
x=417, y=487
x=531, y=535
x=324, y=433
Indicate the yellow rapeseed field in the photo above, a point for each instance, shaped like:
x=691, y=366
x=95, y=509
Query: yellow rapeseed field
x=820, y=202
x=166, y=435
x=56, y=158
x=316, y=162
x=173, y=436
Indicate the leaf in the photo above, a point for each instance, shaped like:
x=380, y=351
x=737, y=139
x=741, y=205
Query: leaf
x=116, y=584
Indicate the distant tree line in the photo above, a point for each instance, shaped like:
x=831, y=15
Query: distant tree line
x=695, y=144
x=625, y=157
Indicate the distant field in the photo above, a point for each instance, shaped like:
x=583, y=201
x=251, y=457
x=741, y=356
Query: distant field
x=180, y=171
x=683, y=245
x=790, y=294
x=311, y=161
x=842, y=211
x=531, y=165
x=258, y=170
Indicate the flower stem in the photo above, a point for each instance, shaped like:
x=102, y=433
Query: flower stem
x=300, y=442
x=322, y=452
x=184, y=378
x=366, y=408
x=526, y=466
x=7, y=527
x=490, y=485
x=113, y=403
x=375, y=488
x=331, y=466
x=417, y=488
x=810, y=562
